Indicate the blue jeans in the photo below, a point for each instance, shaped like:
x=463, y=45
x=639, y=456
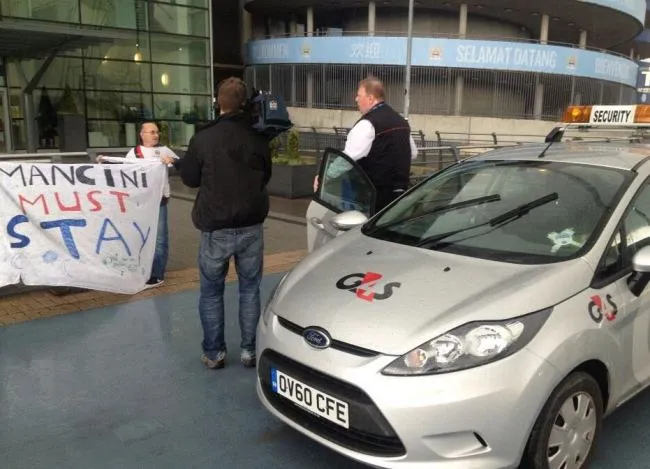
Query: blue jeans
x=216, y=248
x=161, y=253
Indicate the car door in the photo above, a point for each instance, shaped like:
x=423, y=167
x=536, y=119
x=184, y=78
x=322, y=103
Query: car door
x=342, y=186
x=626, y=314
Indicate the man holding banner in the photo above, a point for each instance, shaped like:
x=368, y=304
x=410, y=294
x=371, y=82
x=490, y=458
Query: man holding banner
x=231, y=164
x=151, y=150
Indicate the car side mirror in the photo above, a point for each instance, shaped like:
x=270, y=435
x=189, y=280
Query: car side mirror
x=641, y=267
x=348, y=220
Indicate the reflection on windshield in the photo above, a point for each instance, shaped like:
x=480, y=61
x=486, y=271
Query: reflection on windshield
x=509, y=216
x=545, y=211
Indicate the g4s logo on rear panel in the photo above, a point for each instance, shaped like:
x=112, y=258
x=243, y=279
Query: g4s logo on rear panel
x=360, y=284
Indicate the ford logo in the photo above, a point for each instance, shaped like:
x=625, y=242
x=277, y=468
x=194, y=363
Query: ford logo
x=316, y=337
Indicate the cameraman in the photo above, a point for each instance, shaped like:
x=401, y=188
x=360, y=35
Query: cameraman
x=231, y=165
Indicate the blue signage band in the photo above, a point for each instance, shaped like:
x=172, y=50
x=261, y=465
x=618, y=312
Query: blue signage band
x=445, y=53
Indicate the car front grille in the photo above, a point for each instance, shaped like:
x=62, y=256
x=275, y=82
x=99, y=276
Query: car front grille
x=369, y=432
x=336, y=344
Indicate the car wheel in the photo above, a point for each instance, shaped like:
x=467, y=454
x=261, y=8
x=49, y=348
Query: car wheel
x=567, y=429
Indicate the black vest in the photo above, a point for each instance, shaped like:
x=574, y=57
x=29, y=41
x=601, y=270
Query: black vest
x=388, y=163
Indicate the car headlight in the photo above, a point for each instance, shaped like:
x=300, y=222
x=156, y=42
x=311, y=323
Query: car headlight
x=266, y=312
x=469, y=345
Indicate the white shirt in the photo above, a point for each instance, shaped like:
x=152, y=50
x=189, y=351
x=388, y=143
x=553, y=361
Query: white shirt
x=360, y=140
x=357, y=146
x=155, y=153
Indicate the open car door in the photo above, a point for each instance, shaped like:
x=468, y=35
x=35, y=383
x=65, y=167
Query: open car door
x=342, y=186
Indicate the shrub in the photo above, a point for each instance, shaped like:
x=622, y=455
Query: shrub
x=291, y=154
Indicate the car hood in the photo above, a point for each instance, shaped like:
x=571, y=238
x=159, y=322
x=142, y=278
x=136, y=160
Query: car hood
x=411, y=295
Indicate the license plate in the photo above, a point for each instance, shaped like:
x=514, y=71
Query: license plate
x=310, y=399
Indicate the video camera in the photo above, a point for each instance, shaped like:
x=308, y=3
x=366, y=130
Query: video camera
x=267, y=113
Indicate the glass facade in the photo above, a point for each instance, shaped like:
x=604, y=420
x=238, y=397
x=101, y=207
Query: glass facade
x=151, y=61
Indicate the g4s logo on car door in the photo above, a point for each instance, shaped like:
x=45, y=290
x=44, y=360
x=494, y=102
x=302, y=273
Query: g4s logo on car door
x=599, y=309
x=360, y=285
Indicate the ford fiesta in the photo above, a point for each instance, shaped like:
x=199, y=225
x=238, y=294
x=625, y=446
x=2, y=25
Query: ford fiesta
x=491, y=316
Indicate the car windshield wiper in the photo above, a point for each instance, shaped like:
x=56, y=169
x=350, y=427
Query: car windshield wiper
x=506, y=217
x=523, y=209
x=446, y=208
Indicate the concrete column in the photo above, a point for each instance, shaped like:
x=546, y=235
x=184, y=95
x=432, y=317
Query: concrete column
x=460, y=88
x=310, y=21
x=246, y=26
x=310, y=74
x=462, y=23
x=543, y=34
x=31, y=133
x=293, y=27
x=601, y=92
x=372, y=16
x=583, y=39
x=293, y=85
x=310, y=89
x=539, y=98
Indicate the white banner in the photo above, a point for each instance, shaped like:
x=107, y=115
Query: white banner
x=79, y=225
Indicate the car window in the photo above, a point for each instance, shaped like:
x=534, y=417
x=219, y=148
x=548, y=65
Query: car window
x=522, y=211
x=634, y=230
x=612, y=262
x=344, y=186
x=637, y=224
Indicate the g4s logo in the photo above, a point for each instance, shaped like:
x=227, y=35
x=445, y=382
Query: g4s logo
x=599, y=310
x=367, y=280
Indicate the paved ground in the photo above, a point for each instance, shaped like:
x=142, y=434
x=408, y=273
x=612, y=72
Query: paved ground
x=122, y=387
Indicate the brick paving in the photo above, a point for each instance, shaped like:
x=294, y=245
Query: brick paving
x=44, y=303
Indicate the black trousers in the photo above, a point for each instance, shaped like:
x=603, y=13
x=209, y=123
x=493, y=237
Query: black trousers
x=385, y=196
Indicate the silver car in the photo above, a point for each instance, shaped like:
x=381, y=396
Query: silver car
x=490, y=317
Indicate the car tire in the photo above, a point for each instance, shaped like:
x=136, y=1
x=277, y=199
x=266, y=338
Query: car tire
x=578, y=389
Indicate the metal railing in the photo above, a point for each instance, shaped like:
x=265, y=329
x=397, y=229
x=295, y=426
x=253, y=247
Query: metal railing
x=316, y=139
x=433, y=154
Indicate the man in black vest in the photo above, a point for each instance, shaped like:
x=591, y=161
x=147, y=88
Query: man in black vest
x=381, y=143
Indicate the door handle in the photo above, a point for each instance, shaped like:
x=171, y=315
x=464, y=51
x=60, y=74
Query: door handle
x=317, y=223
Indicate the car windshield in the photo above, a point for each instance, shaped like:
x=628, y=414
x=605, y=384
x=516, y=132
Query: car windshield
x=522, y=211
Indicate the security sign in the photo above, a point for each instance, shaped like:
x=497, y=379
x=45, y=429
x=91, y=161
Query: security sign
x=612, y=115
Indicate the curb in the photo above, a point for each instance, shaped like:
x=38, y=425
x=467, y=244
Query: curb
x=272, y=215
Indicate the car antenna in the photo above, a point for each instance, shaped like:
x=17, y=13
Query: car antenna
x=553, y=136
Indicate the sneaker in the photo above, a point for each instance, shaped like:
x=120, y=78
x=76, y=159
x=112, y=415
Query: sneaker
x=248, y=358
x=153, y=282
x=214, y=364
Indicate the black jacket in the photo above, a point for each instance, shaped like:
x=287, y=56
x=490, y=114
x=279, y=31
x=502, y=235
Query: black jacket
x=231, y=165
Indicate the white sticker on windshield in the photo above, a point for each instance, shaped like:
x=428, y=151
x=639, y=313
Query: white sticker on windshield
x=562, y=239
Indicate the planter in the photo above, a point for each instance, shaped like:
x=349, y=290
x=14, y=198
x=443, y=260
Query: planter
x=72, y=133
x=292, y=182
